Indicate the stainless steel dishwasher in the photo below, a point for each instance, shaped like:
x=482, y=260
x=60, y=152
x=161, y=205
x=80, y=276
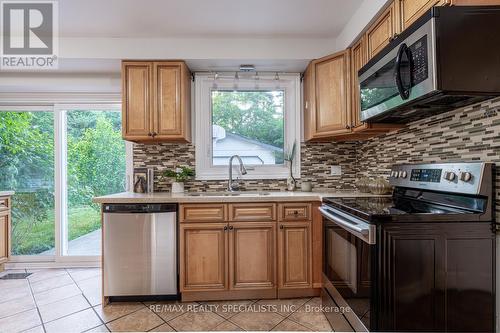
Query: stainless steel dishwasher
x=140, y=250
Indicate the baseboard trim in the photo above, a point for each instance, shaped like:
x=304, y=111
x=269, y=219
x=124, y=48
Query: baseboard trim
x=39, y=265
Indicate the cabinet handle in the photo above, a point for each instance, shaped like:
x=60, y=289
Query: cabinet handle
x=230, y=227
x=281, y=226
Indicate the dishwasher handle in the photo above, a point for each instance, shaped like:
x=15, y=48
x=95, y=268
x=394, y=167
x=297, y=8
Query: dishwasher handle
x=139, y=208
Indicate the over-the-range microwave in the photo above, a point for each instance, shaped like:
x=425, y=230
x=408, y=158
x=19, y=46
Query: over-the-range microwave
x=447, y=59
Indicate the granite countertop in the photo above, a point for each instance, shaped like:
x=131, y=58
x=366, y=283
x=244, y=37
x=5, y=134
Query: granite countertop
x=6, y=193
x=167, y=197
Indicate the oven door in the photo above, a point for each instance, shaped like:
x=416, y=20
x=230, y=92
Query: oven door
x=349, y=250
x=404, y=74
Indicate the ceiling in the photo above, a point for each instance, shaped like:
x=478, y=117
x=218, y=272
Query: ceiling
x=205, y=18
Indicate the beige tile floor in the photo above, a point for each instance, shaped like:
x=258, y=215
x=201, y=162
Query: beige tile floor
x=69, y=300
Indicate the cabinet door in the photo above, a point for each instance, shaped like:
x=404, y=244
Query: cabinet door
x=358, y=59
x=171, y=108
x=411, y=10
x=412, y=270
x=252, y=255
x=136, y=94
x=380, y=33
x=332, y=92
x=4, y=235
x=294, y=255
x=203, y=256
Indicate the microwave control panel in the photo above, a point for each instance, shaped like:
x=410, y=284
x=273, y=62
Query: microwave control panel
x=420, y=60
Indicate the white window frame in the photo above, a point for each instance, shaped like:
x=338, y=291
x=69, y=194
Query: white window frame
x=204, y=84
x=59, y=104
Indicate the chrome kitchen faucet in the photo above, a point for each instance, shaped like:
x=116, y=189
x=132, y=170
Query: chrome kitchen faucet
x=234, y=185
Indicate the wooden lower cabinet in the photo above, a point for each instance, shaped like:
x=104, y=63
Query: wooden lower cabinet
x=203, y=256
x=294, y=255
x=4, y=236
x=252, y=258
x=5, y=215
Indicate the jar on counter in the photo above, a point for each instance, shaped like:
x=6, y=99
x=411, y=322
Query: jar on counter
x=380, y=186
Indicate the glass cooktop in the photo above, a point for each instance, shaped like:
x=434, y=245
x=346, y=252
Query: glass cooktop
x=371, y=208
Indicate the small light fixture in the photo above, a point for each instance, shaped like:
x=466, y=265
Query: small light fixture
x=236, y=80
x=277, y=80
x=214, y=84
x=247, y=68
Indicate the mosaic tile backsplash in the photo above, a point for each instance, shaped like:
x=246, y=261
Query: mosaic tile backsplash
x=468, y=134
x=471, y=133
x=315, y=160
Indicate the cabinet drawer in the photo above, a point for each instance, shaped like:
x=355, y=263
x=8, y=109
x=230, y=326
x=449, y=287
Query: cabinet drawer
x=295, y=212
x=252, y=212
x=4, y=203
x=202, y=213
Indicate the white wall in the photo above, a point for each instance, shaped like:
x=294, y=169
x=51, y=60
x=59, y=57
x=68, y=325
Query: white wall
x=361, y=18
x=195, y=48
x=60, y=82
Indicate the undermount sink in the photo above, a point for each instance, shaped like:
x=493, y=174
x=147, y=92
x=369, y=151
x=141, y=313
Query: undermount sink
x=226, y=194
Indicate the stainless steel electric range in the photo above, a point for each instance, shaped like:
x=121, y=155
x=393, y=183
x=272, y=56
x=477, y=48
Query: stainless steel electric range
x=421, y=260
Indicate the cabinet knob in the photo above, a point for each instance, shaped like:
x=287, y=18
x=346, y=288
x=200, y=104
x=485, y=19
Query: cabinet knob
x=231, y=227
x=295, y=212
x=154, y=134
x=225, y=228
x=150, y=134
x=281, y=226
x=347, y=126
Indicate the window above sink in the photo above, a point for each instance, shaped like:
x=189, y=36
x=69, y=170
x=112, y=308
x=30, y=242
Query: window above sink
x=255, y=117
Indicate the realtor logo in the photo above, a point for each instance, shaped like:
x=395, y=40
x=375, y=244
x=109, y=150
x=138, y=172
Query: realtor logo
x=29, y=35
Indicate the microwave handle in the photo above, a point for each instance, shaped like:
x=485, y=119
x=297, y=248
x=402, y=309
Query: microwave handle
x=404, y=93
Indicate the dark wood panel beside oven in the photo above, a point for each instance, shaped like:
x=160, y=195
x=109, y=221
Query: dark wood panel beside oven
x=436, y=277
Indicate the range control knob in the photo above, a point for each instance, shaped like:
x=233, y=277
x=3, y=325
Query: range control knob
x=449, y=175
x=395, y=174
x=465, y=176
x=402, y=174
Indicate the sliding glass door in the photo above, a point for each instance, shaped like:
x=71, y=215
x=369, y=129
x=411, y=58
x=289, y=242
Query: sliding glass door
x=57, y=159
x=95, y=155
x=27, y=167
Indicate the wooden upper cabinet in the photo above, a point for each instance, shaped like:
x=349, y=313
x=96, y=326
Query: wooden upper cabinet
x=136, y=93
x=172, y=100
x=329, y=114
x=252, y=259
x=157, y=101
x=358, y=60
x=411, y=10
x=203, y=256
x=385, y=27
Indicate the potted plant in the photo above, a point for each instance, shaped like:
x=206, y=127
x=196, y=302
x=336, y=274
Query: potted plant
x=179, y=175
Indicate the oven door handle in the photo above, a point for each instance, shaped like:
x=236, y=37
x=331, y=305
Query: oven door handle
x=344, y=222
